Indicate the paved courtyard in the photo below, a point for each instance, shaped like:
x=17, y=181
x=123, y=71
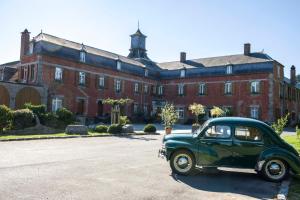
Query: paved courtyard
x=112, y=168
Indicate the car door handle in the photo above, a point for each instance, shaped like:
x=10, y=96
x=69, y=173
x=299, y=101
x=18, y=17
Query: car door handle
x=208, y=143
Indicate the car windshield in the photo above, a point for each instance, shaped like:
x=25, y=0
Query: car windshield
x=200, y=128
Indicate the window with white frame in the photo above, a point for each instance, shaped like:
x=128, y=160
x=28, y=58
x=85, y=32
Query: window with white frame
x=160, y=90
x=135, y=108
x=146, y=88
x=278, y=71
x=118, y=86
x=31, y=48
x=228, y=88
x=146, y=72
x=119, y=65
x=254, y=112
x=180, y=113
x=181, y=89
x=255, y=87
x=182, y=73
x=145, y=109
x=229, y=69
x=202, y=88
x=58, y=73
x=101, y=81
x=82, y=78
x=136, y=87
x=82, y=56
x=56, y=104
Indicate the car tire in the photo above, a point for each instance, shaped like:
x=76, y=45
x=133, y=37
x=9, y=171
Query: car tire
x=274, y=170
x=182, y=162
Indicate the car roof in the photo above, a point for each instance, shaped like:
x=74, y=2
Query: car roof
x=235, y=120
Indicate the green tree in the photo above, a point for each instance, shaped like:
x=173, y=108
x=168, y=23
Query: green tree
x=169, y=115
x=197, y=109
x=5, y=118
x=280, y=124
x=115, y=108
x=217, y=112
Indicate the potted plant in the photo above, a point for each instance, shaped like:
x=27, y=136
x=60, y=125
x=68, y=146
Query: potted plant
x=169, y=116
x=217, y=112
x=196, y=109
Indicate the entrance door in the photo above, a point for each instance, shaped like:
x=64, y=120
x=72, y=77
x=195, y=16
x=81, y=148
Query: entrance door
x=215, y=146
x=80, y=107
x=100, y=108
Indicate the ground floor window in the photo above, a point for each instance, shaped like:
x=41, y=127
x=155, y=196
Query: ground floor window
x=80, y=106
x=145, y=109
x=254, y=112
x=56, y=104
x=135, y=108
x=180, y=113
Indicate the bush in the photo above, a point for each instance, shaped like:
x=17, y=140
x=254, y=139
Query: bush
x=115, y=129
x=101, y=129
x=149, y=128
x=38, y=110
x=65, y=116
x=22, y=118
x=280, y=124
x=5, y=118
x=124, y=120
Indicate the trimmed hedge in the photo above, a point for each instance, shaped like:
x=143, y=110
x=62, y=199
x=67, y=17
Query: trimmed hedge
x=22, y=118
x=5, y=118
x=115, y=129
x=101, y=129
x=124, y=120
x=38, y=110
x=65, y=115
x=150, y=128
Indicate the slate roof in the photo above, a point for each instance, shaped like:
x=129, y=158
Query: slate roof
x=74, y=45
x=10, y=63
x=217, y=61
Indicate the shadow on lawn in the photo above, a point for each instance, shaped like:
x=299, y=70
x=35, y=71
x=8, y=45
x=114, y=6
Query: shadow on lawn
x=248, y=184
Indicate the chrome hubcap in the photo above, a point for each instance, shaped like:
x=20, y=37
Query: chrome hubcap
x=182, y=163
x=275, y=169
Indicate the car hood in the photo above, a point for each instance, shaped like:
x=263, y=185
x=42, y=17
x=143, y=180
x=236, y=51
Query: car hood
x=178, y=137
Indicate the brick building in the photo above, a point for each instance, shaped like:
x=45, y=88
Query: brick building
x=59, y=72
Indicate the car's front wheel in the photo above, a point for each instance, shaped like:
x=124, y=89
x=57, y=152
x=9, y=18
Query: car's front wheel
x=182, y=162
x=275, y=170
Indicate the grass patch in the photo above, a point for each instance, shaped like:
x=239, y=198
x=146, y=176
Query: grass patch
x=293, y=140
x=294, y=190
x=60, y=135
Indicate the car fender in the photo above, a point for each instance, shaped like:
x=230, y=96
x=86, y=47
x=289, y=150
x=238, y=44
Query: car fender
x=292, y=160
x=172, y=146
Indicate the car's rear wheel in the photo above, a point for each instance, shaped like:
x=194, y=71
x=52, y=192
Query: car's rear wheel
x=275, y=170
x=182, y=162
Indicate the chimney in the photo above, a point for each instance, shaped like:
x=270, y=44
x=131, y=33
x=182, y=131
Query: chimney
x=293, y=75
x=25, y=37
x=182, y=56
x=247, y=49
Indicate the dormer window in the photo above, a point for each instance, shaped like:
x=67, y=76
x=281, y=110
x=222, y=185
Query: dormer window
x=58, y=74
x=229, y=69
x=82, y=78
x=146, y=72
x=31, y=48
x=182, y=73
x=119, y=65
x=82, y=56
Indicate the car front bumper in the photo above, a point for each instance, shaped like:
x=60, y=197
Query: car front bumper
x=162, y=153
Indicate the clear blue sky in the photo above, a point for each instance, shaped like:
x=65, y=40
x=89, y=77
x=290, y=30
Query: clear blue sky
x=201, y=28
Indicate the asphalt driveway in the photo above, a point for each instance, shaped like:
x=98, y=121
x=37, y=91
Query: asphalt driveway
x=112, y=168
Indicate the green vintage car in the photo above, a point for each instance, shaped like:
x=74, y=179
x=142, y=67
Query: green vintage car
x=233, y=142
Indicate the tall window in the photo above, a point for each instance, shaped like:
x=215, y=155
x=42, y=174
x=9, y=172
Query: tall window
x=145, y=109
x=254, y=112
x=229, y=69
x=146, y=88
x=82, y=78
x=58, y=73
x=119, y=65
x=180, y=113
x=160, y=90
x=228, y=88
x=136, y=87
x=181, y=89
x=118, y=86
x=255, y=87
x=82, y=56
x=56, y=104
x=32, y=72
x=101, y=82
x=31, y=48
x=182, y=73
x=135, y=108
x=202, y=88
x=146, y=72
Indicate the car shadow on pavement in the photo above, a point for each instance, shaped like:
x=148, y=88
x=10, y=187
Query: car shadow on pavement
x=248, y=184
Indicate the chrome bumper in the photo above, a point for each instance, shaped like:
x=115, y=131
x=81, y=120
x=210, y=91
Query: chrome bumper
x=162, y=153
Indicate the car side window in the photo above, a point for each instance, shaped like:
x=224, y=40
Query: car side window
x=247, y=133
x=218, y=131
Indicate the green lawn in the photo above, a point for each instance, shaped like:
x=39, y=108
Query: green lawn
x=7, y=137
x=294, y=191
x=293, y=140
